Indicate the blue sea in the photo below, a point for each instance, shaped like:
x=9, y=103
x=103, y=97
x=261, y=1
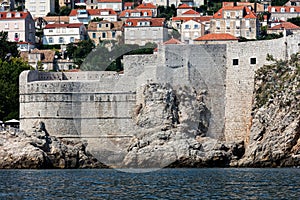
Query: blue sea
x=209, y=183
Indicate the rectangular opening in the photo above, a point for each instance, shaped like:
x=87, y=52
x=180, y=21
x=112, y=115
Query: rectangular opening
x=252, y=61
x=235, y=61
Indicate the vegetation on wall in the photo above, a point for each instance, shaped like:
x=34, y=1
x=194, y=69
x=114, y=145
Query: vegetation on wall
x=295, y=20
x=78, y=51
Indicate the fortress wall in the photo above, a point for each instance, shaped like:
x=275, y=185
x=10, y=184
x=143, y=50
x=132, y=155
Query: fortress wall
x=240, y=81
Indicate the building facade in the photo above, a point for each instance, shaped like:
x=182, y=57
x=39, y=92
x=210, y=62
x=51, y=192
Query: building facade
x=40, y=8
x=86, y=15
x=63, y=33
x=141, y=31
x=238, y=21
x=19, y=25
x=116, y=5
x=191, y=30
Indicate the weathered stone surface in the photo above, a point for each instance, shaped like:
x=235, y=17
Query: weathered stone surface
x=39, y=150
x=274, y=139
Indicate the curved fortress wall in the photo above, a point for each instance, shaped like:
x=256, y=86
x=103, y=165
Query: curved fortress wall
x=102, y=104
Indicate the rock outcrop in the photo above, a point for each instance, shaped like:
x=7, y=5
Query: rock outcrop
x=172, y=126
x=275, y=132
x=38, y=150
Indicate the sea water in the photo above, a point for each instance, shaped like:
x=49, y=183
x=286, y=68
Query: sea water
x=204, y=183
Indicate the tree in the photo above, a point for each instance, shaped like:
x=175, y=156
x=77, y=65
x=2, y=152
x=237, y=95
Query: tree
x=8, y=49
x=9, y=84
x=64, y=11
x=80, y=50
x=295, y=20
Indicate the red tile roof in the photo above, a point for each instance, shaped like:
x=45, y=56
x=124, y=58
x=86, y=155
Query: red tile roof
x=216, y=37
x=172, y=41
x=190, y=12
x=146, y=6
x=285, y=25
x=184, y=6
x=247, y=13
x=94, y=11
x=74, y=25
x=123, y=13
x=197, y=19
x=109, y=1
x=23, y=15
x=128, y=4
x=153, y=22
x=286, y=8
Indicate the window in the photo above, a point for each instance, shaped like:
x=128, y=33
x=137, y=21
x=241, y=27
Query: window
x=187, y=26
x=218, y=24
x=106, y=25
x=103, y=35
x=61, y=40
x=237, y=24
x=16, y=37
x=50, y=30
x=228, y=14
x=273, y=10
x=42, y=8
x=18, y=14
x=94, y=35
x=145, y=14
x=282, y=9
x=237, y=14
x=235, y=61
x=6, y=26
x=29, y=26
x=58, y=30
x=126, y=14
x=32, y=8
x=8, y=15
x=72, y=39
x=247, y=23
x=292, y=10
x=99, y=25
x=252, y=61
x=113, y=34
x=227, y=24
x=50, y=40
x=196, y=26
x=16, y=25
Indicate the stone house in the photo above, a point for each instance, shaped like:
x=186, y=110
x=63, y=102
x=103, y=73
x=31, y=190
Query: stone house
x=63, y=33
x=126, y=14
x=128, y=5
x=86, y=15
x=289, y=27
x=40, y=8
x=141, y=31
x=176, y=22
x=25, y=46
x=182, y=9
x=146, y=7
x=283, y=13
x=19, y=25
x=45, y=58
x=91, y=4
x=216, y=38
x=191, y=30
x=239, y=21
x=116, y=5
x=105, y=31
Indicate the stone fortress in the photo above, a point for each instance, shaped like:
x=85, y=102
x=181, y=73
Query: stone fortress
x=99, y=106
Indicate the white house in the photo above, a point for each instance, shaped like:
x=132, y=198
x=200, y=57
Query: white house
x=191, y=30
x=63, y=33
x=40, y=8
x=19, y=25
x=86, y=15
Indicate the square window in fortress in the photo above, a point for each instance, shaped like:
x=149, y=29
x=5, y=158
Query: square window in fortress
x=252, y=61
x=235, y=61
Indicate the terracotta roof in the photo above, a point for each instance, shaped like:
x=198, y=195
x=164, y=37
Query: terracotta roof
x=247, y=13
x=146, y=6
x=74, y=25
x=216, y=37
x=94, y=11
x=197, y=19
x=172, y=41
x=14, y=15
x=285, y=25
x=184, y=6
x=153, y=22
x=109, y=1
x=123, y=13
x=286, y=8
x=128, y=4
x=191, y=12
x=47, y=55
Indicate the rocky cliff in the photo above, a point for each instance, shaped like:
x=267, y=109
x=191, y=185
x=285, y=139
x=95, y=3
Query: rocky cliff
x=38, y=150
x=275, y=132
